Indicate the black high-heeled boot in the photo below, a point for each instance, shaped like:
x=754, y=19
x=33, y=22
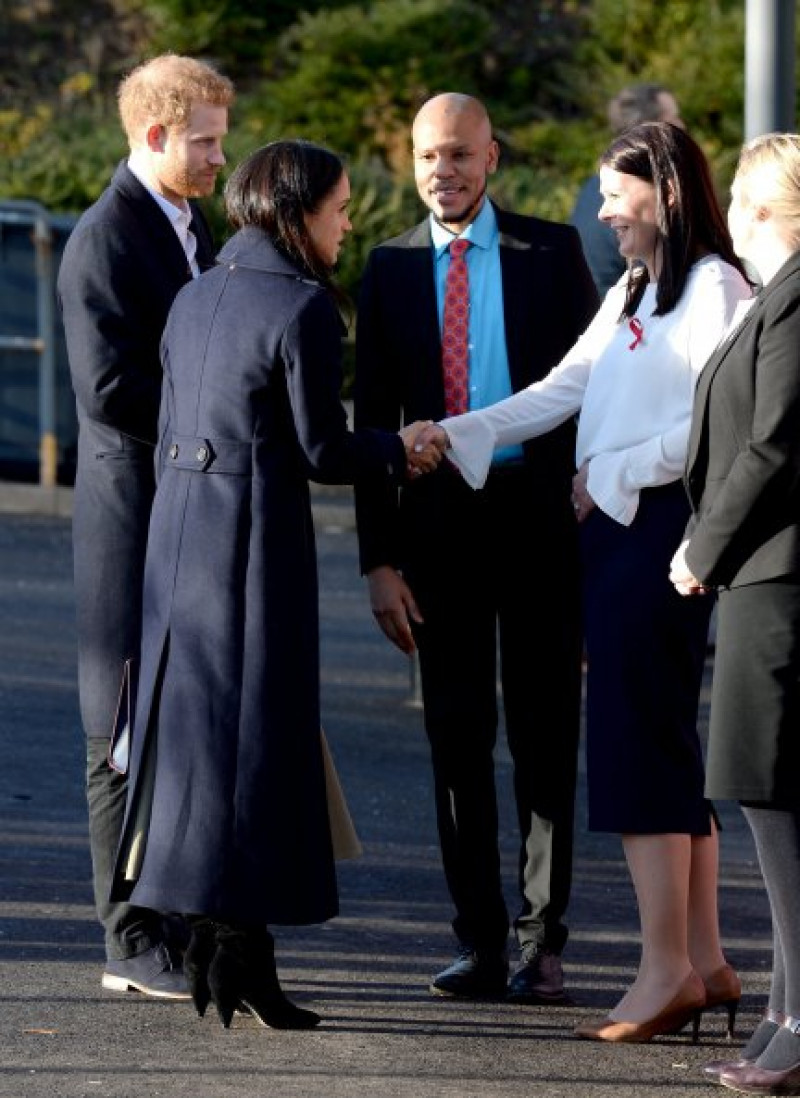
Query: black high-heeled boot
x=197, y=958
x=242, y=972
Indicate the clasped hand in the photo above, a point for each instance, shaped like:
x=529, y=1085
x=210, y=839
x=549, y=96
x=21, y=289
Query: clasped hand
x=685, y=583
x=425, y=444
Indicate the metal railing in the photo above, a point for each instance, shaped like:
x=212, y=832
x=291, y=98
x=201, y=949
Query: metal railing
x=14, y=212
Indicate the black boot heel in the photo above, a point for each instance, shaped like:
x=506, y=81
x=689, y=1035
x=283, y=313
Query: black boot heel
x=196, y=961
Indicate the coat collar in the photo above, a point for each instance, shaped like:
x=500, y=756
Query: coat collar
x=156, y=225
x=134, y=192
x=252, y=247
x=789, y=270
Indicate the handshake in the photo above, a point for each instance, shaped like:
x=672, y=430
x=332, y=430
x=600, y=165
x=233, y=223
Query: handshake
x=425, y=443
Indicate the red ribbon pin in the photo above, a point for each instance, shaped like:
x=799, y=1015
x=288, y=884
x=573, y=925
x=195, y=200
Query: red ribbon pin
x=637, y=328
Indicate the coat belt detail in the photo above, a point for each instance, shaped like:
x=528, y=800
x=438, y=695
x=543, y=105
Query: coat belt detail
x=205, y=455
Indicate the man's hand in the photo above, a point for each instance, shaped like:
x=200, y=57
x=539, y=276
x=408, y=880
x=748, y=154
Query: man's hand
x=432, y=434
x=393, y=604
x=422, y=455
x=582, y=502
x=685, y=583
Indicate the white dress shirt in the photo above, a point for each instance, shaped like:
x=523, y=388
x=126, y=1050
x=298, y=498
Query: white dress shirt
x=633, y=382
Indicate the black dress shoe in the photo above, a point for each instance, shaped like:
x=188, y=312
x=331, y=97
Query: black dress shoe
x=539, y=980
x=153, y=972
x=473, y=976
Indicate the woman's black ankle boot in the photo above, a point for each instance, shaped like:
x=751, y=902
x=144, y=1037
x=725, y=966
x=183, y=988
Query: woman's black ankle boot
x=242, y=972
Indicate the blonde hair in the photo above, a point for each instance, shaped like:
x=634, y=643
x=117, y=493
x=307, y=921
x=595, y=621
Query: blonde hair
x=164, y=90
x=768, y=175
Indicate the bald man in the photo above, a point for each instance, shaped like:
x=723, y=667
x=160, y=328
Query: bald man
x=450, y=569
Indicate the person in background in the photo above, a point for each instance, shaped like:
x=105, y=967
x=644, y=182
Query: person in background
x=470, y=305
x=227, y=819
x=632, y=377
x=743, y=479
x=634, y=104
x=123, y=264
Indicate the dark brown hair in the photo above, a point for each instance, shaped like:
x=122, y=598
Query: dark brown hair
x=275, y=187
x=688, y=216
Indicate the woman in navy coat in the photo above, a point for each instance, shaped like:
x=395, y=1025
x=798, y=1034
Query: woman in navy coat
x=743, y=478
x=227, y=816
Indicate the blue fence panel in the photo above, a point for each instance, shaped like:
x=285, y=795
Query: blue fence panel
x=20, y=398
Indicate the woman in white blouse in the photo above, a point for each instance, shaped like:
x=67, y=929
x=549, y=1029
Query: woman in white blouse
x=631, y=377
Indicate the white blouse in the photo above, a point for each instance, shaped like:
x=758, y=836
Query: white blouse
x=633, y=383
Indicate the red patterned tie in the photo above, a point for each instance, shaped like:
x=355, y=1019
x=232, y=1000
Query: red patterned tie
x=455, y=332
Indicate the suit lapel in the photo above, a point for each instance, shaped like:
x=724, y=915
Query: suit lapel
x=709, y=371
x=419, y=291
x=420, y=247
x=205, y=244
x=790, y=270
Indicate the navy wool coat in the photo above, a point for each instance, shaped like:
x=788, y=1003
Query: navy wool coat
x=228, y=695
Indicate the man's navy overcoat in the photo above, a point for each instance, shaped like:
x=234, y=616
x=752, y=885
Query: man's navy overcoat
x=228, y=695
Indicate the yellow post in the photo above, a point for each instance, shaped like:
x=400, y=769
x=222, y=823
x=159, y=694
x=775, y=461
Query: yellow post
x=48, y=460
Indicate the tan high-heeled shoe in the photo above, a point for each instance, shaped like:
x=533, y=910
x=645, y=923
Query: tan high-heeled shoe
x=724, y=988
x=685, y=1006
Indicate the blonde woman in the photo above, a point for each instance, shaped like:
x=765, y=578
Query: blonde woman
x=743, y=479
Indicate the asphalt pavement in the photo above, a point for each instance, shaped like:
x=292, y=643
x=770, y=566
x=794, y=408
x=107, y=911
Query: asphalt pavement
x=366, y=972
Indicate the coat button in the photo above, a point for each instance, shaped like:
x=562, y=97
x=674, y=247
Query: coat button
x=173, y=450
x=202, y=453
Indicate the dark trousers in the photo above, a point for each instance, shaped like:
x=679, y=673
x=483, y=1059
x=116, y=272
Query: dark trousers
x=502, y=565
x=113, y=492
x=128, y=930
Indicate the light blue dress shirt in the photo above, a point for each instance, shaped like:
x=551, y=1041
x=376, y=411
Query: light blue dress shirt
x=489, y=377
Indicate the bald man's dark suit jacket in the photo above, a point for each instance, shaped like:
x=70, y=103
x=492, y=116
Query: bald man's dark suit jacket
x=122, y=267
x=466, y=576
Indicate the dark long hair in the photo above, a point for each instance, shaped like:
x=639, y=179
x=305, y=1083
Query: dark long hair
x=688, y=216
x=274, y=188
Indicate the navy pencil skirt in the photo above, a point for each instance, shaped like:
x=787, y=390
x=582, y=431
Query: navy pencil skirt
x=645, y=647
